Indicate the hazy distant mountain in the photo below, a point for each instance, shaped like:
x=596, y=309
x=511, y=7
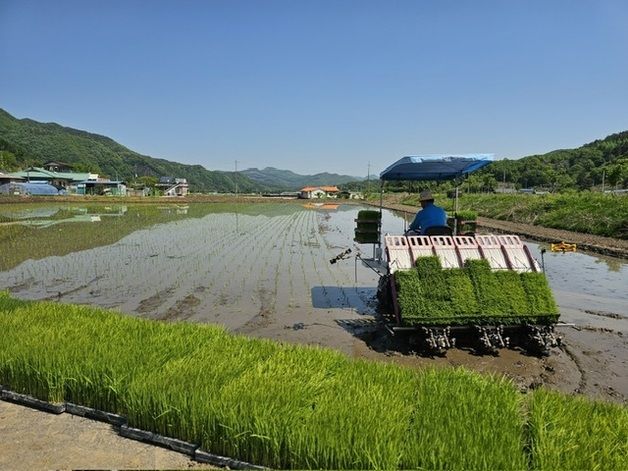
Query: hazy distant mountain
x=26, y=142
x=293, y=181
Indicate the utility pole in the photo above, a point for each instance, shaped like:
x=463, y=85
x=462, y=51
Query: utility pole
x=603, y=178
x=235, y=177
x=368, y=178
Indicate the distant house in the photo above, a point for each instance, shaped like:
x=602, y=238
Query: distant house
x=6, y=178
x=310, y=192
x=72, y=182
x=53, y=166
x=173, y=186
x=62, y=180
x=101, y=186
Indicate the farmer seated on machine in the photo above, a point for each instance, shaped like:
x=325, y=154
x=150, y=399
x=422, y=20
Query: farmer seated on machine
x=431, y=219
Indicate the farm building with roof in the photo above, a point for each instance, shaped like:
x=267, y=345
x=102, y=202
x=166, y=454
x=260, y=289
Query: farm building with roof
x=310, y=192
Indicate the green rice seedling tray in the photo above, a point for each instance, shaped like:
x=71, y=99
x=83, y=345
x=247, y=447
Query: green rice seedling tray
x=369, y=215
x=368, y=226
x=366, y=237
x=430, y=295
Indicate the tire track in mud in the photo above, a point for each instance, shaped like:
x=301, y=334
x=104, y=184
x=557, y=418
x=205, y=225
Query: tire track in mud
x=342, y=274
x=326, y=277
x=582, y=384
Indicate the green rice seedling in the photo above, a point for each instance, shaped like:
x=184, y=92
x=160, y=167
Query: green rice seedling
x=291, y=406
x=410, y=295
x=492, y=299
x=514, y=301
x=464, y=303
x=509, y=296
x=29, y=362
x=434, y=287
x=154, y=399
x=430, y=294
x=569, y=432
x=539, y=295
x=458, y=416
x=263, y=411
x=467, y=215
x=369, y=215
x=369, y=439
x=427, y=267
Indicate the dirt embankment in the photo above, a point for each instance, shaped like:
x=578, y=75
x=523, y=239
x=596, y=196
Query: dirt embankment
x=589, y=242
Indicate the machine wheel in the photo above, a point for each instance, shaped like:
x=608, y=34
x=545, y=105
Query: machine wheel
x=384, y=296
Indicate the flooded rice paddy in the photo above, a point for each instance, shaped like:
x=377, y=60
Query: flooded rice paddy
x=264, y=270
x=260, y=269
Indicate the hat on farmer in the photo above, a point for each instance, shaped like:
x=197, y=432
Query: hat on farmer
x=426, y=196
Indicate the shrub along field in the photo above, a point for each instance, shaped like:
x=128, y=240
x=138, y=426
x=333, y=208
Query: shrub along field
x=289, y=406
x=586, y=212
x=431, y=295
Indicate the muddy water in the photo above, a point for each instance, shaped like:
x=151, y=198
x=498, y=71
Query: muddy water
x=590, y=290
x=240, y=269
x=244, y=268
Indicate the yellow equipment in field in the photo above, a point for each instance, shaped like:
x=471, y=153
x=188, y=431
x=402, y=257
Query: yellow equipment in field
x=563, y=247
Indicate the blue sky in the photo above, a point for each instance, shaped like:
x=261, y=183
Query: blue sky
x=320, y=85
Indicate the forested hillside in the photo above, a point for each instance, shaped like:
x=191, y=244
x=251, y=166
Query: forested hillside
x=582, y=168
x=601, y=163
x=26, y=142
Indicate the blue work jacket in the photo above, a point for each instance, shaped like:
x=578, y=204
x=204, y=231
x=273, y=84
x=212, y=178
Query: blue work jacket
x=429, y=216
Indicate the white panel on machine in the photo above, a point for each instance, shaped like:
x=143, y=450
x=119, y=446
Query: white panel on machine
x=491, y=250
x=446, y=251
x=420, y=246
x=467, y=248
x=517, y=254
x=399, y=257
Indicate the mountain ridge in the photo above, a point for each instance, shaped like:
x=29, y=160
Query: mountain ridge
x=294, y=181
x=25, y=142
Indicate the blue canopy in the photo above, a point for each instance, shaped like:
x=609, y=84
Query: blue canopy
x=435, y=166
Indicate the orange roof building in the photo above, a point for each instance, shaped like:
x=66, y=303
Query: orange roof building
x=318, y=192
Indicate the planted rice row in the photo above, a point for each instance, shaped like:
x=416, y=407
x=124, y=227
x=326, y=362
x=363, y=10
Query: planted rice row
x=429, y=294
x=289, y=406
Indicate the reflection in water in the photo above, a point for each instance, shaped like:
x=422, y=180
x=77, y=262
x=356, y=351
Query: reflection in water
x=584, y=274
x=234, y=264
x=233, y=267
x=613, y=264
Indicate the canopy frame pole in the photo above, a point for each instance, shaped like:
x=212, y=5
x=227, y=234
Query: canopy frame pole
x=457, y=182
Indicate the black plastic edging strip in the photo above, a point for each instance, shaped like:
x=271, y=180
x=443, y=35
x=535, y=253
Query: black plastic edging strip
x=222, y=461
x=124, y=430
x=95, y=414
x=33, y=402
x=155, y=438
